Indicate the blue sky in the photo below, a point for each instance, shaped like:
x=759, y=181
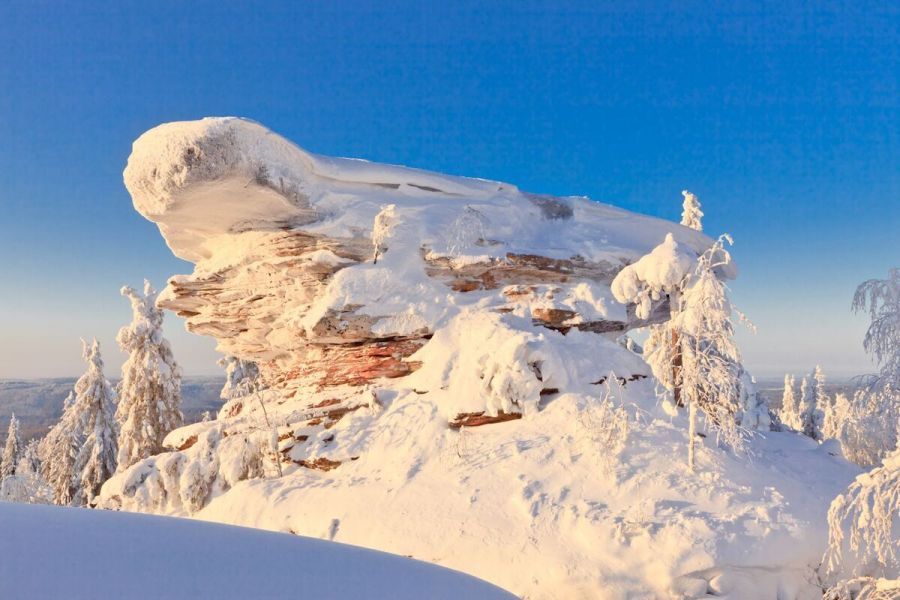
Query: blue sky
x=784, y=120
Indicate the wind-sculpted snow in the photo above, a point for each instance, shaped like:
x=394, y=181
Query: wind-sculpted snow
x=52, y=552
x=440, y=374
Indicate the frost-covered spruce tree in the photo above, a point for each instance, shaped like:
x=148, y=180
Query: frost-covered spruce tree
x=790, y=404
x=810, y=416
x=150, y=390
x=58, y=451
x=691, y=215
x=835, y=414
x=95, y=410
x=13, y=448
x=711, y=368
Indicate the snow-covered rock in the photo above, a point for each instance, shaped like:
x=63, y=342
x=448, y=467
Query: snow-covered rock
x=284, y=243
x=391, y=312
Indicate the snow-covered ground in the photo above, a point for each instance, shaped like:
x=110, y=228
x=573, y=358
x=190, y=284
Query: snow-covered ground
x=51, y=552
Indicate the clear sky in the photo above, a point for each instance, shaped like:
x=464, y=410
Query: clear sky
x=785, y=120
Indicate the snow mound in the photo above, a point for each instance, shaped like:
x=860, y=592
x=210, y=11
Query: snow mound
x=137, y=556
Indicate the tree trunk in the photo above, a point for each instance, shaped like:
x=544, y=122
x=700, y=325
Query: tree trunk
x=692, y=433
x=676, y=350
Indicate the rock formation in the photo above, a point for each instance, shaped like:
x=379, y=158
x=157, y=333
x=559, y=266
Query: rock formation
x=440, y=376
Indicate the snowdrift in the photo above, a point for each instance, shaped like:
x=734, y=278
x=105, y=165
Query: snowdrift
x=52, y=552
x=446, y=381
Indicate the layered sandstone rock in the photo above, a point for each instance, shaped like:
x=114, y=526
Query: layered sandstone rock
x=283, y=245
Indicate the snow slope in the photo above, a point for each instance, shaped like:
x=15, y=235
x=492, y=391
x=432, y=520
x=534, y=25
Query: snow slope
x=51, y=552
x=464, y=399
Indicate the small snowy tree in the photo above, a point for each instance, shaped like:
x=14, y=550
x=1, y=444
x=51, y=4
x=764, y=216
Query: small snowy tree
x=95, y=409
x=866, y=426
x=466, y=231
x=691, y=214
x=807, y=415
x=27, y=485
x=665, y=271
x=241, y=377
x=30, y=461
x=150, y=390
x=12, y=449
x=835, y=414
x=711, y=368
x=382, y=229
x=790, y=404
x=58, y=451
x=705, y=365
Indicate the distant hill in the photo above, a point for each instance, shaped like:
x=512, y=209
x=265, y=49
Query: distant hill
x=38, y=402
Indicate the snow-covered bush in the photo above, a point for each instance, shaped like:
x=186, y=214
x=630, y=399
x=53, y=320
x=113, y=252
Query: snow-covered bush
x=466, y=231
x=27, y=485
x=150, y=390
x=383, y=228
x=866, y=426
x=185, y=481
x=864, y=588
x=691, y=215
x=607, y=422
x=864, y=527
x=241, y=377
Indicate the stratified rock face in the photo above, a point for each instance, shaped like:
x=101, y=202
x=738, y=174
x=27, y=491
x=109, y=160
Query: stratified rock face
x=286, y=274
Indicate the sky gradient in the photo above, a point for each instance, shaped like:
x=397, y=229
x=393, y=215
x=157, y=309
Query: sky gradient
x=784, y=121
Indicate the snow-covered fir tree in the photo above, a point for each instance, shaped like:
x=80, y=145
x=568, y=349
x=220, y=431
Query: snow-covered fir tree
x=754, y=413
x=12, y=450
x=150, y=390
x=790, y=404
x=808, y=419
x=711, y=369
x=27, y=485
x=241, y=377
x=664, y=272
x=702, y=354
x=95, y=408
x=834, y=416
x=58, y=451
x=691, y=215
